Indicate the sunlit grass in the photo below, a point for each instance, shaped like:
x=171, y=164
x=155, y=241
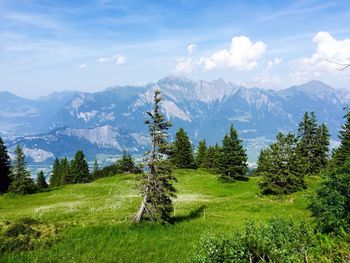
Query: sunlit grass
x=96, y=217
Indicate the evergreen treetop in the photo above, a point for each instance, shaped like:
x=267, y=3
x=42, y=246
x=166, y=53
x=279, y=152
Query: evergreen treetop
x=233, y=162
x=201, y=152
x=343, y=152
x=41, y=181
x=21, y=182
x=182, y=152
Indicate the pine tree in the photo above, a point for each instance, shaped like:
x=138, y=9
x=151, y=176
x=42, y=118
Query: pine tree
x=322, y=148
x=156, y=187
x=201, y=152
x=343, y=152
x=95, y=169
x=5, y=168
x=212, y=158
x=233, y=162
x=66, y=175
x=56, y=174
x=79, y=168
x=313, y=143
x=283, y=169
x=182, y=151
x=126, y=164
x=41, y=181
x=264, y=162
x=21, y=182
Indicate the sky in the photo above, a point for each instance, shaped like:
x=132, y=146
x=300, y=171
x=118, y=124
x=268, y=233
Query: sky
x=89, y=45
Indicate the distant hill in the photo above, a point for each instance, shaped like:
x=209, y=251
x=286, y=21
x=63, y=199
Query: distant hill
x=109, y=121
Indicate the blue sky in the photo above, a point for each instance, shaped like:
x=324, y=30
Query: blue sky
x=48, y=46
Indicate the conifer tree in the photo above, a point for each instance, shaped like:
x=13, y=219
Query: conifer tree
x=182, y=151
x=21, y=182
x=79, y=168
x=66, y=175
x=5, y=168
x=126, y=164
x=41, y=181
x=322, y=149
x=343, y=151
x=283, y=169
x=95, y=169
x=201, y=152
x=56, y=174
x=156, y=187
x=212, y=158
x=264, y=162
x=313, y=143
x=233, y=161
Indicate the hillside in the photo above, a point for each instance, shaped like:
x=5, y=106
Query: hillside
x=95, y=217
x=109, y=121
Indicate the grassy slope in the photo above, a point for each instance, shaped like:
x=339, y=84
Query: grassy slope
x=96, y=217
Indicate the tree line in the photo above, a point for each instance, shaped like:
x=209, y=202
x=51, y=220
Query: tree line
x=16, y=178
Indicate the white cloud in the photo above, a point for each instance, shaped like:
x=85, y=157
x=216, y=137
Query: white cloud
x=328, y=49
x=103, y=60
x=118, y=59
x=191, y=48
x=272, y=63
x=242, y=55
x=82, y=66
x=185, y=65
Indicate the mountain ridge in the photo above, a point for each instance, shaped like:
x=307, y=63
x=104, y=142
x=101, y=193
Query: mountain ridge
x=205, y=109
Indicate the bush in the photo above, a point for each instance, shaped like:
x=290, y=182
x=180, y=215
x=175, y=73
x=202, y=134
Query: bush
x=280, y=240
x=26, y=234
x=330, y=205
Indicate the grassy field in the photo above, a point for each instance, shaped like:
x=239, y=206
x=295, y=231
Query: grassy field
x=95, y=217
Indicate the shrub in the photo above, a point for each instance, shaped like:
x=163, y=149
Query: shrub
x=280, y=240
x=330, y=205
x=26, y=234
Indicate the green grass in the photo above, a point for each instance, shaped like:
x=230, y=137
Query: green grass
x=95, y=217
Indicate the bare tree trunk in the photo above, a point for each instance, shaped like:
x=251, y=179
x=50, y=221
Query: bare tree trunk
x=143, y=207
x=141, y=210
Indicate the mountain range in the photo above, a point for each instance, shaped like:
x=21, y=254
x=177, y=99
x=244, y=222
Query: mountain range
x=107, y=122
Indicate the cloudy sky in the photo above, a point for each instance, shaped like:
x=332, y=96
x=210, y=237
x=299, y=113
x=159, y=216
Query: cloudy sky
x=48, y=46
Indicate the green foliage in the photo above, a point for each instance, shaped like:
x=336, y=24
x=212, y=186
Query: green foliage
x=313, y=143
x=126, y=164
x=281, y=167
x=56, y=176
x=157, y=185
x=26, y=234
x=233, y=161
x=279, y=240
x=343, y=152
x=212, y=158
x=201, y=153
x=182, y=152
x=79, y=169
x=21, y=182
x=330, y=205
x=5, y=168
x=41, y=181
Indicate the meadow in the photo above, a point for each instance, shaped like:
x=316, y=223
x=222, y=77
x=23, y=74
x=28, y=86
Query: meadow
x=95, y=218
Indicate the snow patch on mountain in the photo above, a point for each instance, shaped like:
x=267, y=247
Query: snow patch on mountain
x=173, y=111
x=87, y=116
x=104, y=136
x=37, y=155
